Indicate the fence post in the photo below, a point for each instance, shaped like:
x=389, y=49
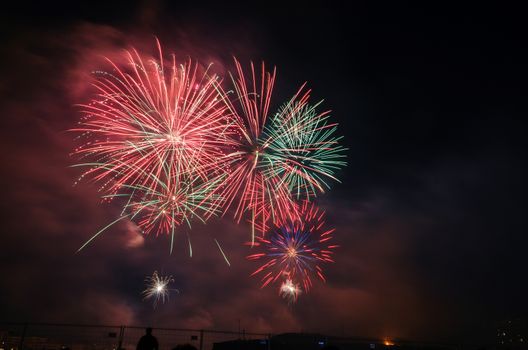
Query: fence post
x=201, y=339
x=121, y=336
x=23, y=336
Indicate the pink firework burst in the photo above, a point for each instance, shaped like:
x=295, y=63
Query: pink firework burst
x=149, y=114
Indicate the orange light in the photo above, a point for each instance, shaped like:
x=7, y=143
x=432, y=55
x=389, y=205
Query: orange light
x=388, y=343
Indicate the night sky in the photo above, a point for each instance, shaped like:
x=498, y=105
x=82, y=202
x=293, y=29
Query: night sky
x=430, y=215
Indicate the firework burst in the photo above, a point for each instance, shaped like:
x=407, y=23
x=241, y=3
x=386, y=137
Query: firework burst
x=169, y=143
x=247, y=187
x=150, y=113
x=304, y=152
x=290, y=291
x=157, y=288
x=296, y=250
x=154, y=133
x=172, y=199
x=275, y=160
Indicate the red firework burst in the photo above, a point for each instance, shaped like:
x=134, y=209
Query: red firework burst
x=253, y=185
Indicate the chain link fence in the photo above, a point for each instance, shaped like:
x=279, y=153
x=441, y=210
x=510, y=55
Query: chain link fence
x=48, y=336
x=45, y=336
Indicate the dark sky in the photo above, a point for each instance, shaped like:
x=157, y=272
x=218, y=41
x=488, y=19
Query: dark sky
x=430, y=215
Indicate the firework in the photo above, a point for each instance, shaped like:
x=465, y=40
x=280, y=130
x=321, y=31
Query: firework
x=157, y=288
x=149, y=113
x=172, y=199
x=222, y=252
x=170, y=144
x=154, y=133
x=247, y=188
x=275, y=160
x=303, y=150
x=296, y=250
x=290, y=291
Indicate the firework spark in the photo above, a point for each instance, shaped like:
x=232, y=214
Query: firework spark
x=157, y=288
x=290, y=291
x=296, y=249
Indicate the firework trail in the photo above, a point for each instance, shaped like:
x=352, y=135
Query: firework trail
x=157, y=288
x=275, y=160
x=290, y=291
x=295, y=250
x=150, y=113
x=222, y=252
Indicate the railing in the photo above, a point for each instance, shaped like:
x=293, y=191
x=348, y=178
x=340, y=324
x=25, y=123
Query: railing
x=46, y=336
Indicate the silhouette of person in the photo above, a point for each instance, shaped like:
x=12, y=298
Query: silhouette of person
x=148, y=341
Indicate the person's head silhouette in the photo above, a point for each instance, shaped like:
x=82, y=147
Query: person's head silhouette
x=148, y=341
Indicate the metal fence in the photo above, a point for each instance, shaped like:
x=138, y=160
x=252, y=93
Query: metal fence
x=46, y=336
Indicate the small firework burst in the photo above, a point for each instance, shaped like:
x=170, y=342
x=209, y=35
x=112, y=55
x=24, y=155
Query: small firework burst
x=296, y=249
x=290, y=291
x=157, y=288
x=172, y=199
